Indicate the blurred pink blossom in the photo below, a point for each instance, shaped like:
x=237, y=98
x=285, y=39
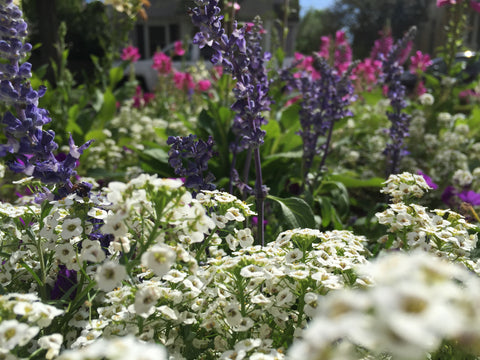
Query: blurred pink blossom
x=130, y=53
x=366, y=74
x=162, y=63
x=178, y=48
x=475, y=5
x=183, y=81
x=306, y=64
x=235, y=5
x=419, y=62
x=204, y=85
x=141, y=99
x=441, y=3
x=342, y=51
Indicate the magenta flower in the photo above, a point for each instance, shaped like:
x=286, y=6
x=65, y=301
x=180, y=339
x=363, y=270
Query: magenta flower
x=141, y=99
x=366, y=73
x=342, y=52
x=204, y=85
x=162, y=63
x=183, y=81
x=325, y=47
x=178, y=48
x=475, y=5
x=419, y=62
x=441, y=3
x=130, y=53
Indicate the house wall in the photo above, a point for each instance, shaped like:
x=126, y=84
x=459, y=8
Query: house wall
x=168, y=21
x=431, y=34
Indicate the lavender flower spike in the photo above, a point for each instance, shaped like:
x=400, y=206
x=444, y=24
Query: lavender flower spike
x=241, y=55
x=324, y=102
x=189, y=159
x=29, y=148
x=392, y=72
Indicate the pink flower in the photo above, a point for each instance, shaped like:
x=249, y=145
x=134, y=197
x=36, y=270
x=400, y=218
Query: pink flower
x=366, y=73
x=204, y=85
x=141, y=99
x=178, y=49
x=130, y=53
x=475, y=5
x=183, y=81
x=235, y=5
x=419, y=62
x=383, y=44
x=325, y=47
x=441, y=3
x=340, y=37
x=162, y=63
x=306, y=65
x=421, y=89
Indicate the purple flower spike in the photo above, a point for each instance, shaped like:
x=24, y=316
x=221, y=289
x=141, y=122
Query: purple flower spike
x=400, y=121
x=189, y=158
x=29, y=147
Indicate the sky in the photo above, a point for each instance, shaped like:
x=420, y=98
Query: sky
x=316, y=4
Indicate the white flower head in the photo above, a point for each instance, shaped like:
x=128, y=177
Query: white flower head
x=52, y=344
x=13, y=333
x=159, y=258
x=110, y=275
x=71, y=228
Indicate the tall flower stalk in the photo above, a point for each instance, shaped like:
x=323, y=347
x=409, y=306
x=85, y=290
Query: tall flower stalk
x=324, y=101
x=29, y=148
x=240, y=54
x=391, y=77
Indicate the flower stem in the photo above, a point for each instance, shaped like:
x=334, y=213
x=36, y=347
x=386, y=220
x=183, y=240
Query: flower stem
x=260, y=195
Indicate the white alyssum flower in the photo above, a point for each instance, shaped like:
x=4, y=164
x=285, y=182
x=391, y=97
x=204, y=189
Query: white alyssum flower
x=159, y=258
x=13, y=333
x=71, y=228
x=426, y=99
x=110, y=275
x=52, y=344
x=92, y=251
x=145, y=300
x=462, y=177
x=118, y=348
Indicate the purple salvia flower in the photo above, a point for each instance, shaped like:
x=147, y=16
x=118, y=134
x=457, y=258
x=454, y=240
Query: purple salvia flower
x=29, y=148
x=189, y=158
x=324, y=102
x=392, y=72
x=241, y=55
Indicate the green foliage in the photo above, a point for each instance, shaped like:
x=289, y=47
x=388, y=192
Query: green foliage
x=296, y=213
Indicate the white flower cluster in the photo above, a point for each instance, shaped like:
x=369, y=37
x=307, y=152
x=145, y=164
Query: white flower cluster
x=118, y=348
x=403, y=187
x=23, y=316
x=232, y=301
x=417, y=302
x=444, y=233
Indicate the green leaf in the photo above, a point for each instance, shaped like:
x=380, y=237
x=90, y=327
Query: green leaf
x=352, y=182
x=32, y=272
x=286, y=155
x=72, y=125
x=115, y=76
x=157, y=154
x=96, y=134
x=326, y=210
x=296, y=212
x=108, y=109
x=289, y=117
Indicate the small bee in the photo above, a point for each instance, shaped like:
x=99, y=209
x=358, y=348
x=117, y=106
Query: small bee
x=82, y=189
